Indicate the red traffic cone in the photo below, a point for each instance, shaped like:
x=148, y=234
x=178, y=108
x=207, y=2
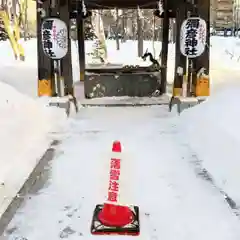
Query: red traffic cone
x=115, y=215
x=111, y=218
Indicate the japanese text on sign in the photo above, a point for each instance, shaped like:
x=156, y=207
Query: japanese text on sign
x=54, y=38
x=46, y=38
x=114, y=180
x=193, y=37
x=191, y=33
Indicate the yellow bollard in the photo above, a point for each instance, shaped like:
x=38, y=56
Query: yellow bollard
x=44, y=88
x=202, y=84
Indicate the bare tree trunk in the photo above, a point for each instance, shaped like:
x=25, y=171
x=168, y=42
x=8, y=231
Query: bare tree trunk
x=140, y=33
x=123, y=26
x=115, y=14
x=133, y=27
x=128, y=26
x=117, y=30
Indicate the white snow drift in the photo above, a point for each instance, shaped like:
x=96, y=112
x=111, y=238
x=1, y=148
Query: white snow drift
x=212, y=130
x=25, y=125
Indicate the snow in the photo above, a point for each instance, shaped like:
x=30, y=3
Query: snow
x=24, y=128
x=212, y=131
x=221, y=63
x=160, y=151
x=157, y=176
x=225, y=53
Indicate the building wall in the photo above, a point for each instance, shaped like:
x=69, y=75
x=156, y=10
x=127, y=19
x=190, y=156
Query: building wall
x=222, y=13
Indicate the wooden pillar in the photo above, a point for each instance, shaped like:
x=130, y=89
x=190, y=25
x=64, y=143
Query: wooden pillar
x=164, y=53
x=203, y=7
x=66, y=62
x=180, y=60
x=46, y=84
x=81, y=42
x=46, y=80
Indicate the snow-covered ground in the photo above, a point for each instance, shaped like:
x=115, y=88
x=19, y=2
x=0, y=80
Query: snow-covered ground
x=157, y=176
x=159, y=151
x=212, y=131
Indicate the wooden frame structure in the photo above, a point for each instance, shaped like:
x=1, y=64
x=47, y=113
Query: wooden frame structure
x=65, y=8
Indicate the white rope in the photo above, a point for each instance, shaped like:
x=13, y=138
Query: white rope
x=84, y=9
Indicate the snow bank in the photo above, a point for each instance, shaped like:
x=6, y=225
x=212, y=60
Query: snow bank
x=25, y=125
x=212, y=131
x=225, y=53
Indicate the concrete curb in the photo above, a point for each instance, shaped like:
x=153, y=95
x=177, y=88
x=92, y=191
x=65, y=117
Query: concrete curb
x=27, y=186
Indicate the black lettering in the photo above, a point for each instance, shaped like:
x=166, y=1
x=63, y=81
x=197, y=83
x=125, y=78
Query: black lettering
x=191, y=33
x=46, y=35
x=191, y=42
x=50, y=52
x=47, y=44
x=192, y=23
x=190, y=51
x=48, y=24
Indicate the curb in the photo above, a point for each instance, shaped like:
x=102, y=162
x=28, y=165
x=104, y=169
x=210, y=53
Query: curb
x=16, y=202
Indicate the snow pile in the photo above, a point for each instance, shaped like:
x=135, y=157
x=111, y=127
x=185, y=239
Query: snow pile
x=212, y=131
x=24, y=127
x=225, y=53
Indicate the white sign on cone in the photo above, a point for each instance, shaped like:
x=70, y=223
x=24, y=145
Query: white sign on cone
x=193, y=37
x=54, y=38
x=114, y=174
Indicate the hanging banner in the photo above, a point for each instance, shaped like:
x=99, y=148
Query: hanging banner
x=54, y=34
x=193, y=37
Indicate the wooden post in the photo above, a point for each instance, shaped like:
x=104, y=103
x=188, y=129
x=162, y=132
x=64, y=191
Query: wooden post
x=81, y=42
x=66, y=62
x=180, y=60
x=203, y=7
x=46, y=85
x=164, y=53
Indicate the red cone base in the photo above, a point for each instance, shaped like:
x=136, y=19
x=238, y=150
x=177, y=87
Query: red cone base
x=118, y=220
x=117, y=216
